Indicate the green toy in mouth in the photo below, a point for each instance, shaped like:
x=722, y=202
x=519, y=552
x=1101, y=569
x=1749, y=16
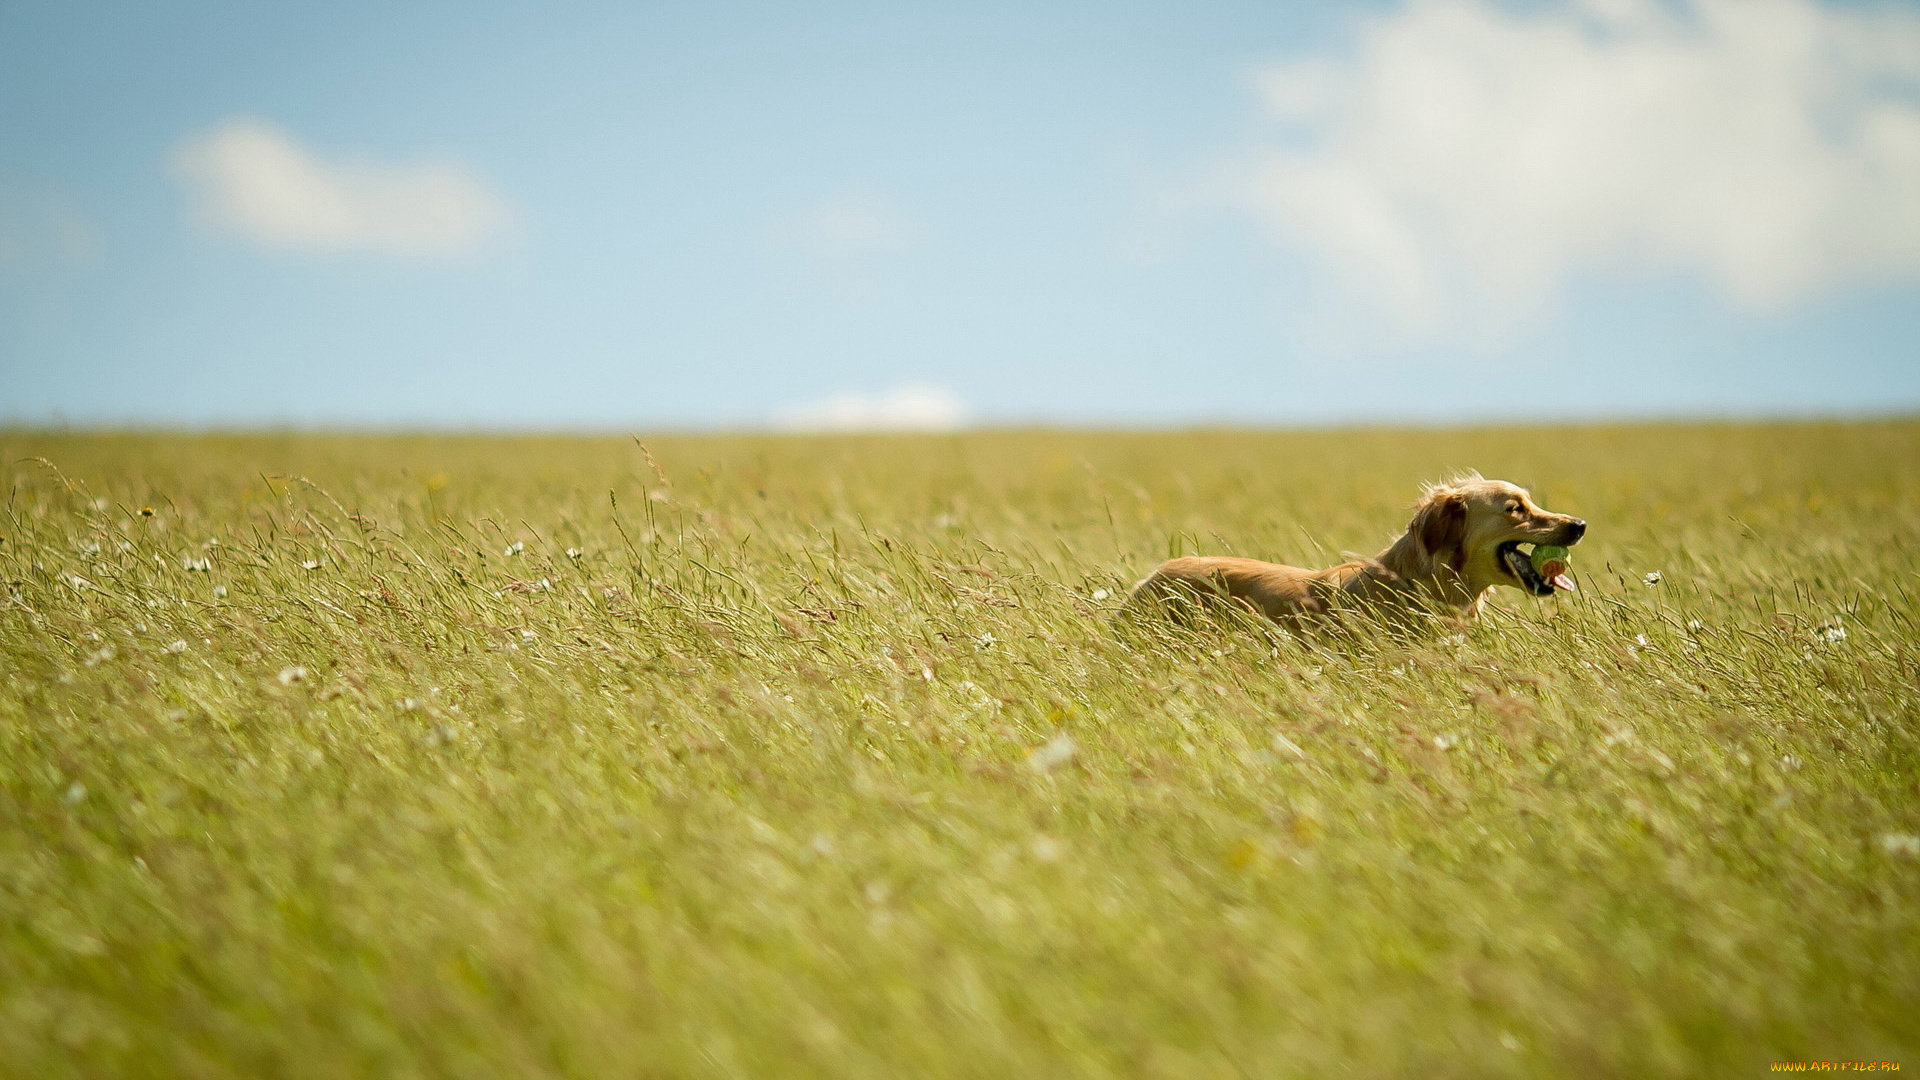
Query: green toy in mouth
x=1539, y=572
x=1551, y=563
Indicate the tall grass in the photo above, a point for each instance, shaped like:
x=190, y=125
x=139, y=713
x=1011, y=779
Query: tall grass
x=801, y=757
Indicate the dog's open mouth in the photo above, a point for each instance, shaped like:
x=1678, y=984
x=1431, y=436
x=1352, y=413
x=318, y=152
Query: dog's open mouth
x=1519, y=564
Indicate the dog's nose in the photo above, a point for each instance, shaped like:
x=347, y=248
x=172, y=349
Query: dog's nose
x=1575, y=530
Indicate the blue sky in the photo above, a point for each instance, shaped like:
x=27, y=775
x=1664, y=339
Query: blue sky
x=843, y=215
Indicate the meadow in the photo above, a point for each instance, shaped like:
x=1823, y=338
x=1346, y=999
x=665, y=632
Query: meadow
x=761, y=756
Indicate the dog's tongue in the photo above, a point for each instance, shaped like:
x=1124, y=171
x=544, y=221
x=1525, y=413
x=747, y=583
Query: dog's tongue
x=1563, y=580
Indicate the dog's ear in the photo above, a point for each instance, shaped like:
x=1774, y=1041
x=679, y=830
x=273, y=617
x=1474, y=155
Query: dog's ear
x=1441, y=525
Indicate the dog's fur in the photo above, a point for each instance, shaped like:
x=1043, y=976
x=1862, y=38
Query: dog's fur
x=1448, y=559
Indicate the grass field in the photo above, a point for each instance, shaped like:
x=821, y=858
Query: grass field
x=822, y=757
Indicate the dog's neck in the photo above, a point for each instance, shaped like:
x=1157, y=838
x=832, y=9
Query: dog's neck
x=1406, y=567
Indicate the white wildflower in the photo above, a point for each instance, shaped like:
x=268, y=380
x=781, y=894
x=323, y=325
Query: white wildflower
x=1652, y=578
x=528, y=635
x=1057, y=752
x=573, y=553
x=1101, y=594
x=986, y=640
x=310, y=564
x=1445, y=742
x=292, y=674
x=1641, y=640
x=514, y=548
x=1900, y=845
x=926, y=673
x=177, y=646
x=1833, y=634
x=191, y=565
x=76, y=792
x=219, y=592
x=78, y=582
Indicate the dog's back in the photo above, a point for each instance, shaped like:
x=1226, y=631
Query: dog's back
x=1281, y=593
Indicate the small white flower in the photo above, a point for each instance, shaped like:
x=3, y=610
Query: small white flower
x=926, y=673
x=1641, y=640
x=528, y=635
x=545, y=584
x=1101, y=594
x=78, y=582
x=177, y=647
x=1900, y=845
x=514, y=548
x=310, y=564
x=1833, y=634
x=1056, y=752
x=441, y=734
x=293, y=674
x=1445, y=742
x=986, y=640
x=573, y=553
x=76, y=792
x=1696, y=625
x=408, y=704
x=219, y=592
x=1790, y=763
x=202, y=565
x=1652, y=578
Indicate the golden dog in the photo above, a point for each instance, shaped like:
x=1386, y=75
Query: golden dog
x=1464, y=539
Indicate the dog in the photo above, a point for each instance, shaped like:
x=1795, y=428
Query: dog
x=1464, y=539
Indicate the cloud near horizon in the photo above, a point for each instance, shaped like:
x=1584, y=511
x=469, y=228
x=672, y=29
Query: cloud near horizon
x=1464, y=164
x=251, y=178
x=916, y=407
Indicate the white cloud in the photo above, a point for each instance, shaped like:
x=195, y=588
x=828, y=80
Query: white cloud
x=904, y=408
x=1464, y=162
x=256, y=180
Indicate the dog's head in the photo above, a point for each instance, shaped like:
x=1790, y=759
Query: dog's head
x=1475, y=528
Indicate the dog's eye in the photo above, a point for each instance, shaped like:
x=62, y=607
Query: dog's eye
x=1513, y=508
